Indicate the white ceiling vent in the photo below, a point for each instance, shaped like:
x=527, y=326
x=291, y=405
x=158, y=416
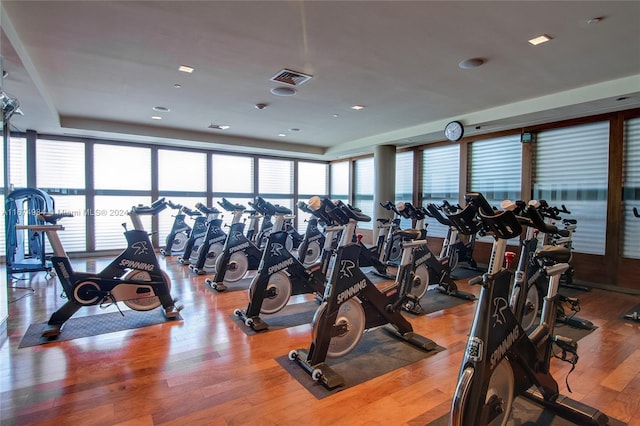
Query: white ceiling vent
x=292, y=78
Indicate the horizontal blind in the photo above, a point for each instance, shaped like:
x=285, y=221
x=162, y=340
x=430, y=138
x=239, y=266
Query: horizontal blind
x=73, y=237
x=571, y=168
x=631, y=189
x=494, y=170
x=404, y=182
x=275, y=176
x=232, y=174
x=440, y=181
x=340, y=181
x=182, y=171
x=363, y=187
x=60, y=164
x=18, y=162
x=121, y=167
x=110, y=213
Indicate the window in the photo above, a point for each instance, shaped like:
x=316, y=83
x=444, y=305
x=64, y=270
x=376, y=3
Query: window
x=340, y=181
x=74, y=236
x=404, y=182
x=276, y=176
x=60, y=165
x=182, y=171
x=571, y=168
x=121, y=167
x=631, y=189
x=363, y=189
x=440, y=181
x=312, y=180
x=18, y=175
x=495, y=171
x=167, y=216
x=110, y=213
x=232, y=174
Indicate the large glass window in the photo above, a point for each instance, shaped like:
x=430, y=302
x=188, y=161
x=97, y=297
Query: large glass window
x=110, y=213
x=404, y=182
x=312, y=180
x=17, y=175
x=571, y=168
x=276, y=176
x=167, y=216
x=121, y=167
x=631, y=191
x=182, y=171
x=232, y=174
x=440, y=181
x=363, y=189
x=340, y=181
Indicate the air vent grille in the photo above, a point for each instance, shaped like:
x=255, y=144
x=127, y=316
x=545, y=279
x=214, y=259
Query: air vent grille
x=292, y=78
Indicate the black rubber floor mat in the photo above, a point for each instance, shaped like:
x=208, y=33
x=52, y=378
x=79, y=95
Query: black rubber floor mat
x=378, y=353
x=290, y=316
x=527, y=413
x=94, y=325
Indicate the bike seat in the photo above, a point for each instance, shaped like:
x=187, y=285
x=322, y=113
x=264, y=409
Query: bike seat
x=53, y=218
x=554, y=253
x=409, y=234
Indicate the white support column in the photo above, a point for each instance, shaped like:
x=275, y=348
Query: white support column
x=384, y=172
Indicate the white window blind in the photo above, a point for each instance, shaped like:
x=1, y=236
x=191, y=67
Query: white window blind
x=404, y=182
x=631, y=189
x=232, y=174
x=364, y=187
x=74, y=236
x=18, y=162
x=121, y=167
x=110, y=213
x=60, y=164
x=182, y=171
x=340, y=181
x=275, y=176
x=440, y=181
x=571, y=168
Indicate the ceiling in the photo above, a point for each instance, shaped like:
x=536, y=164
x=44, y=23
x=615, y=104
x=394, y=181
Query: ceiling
x=97, y=68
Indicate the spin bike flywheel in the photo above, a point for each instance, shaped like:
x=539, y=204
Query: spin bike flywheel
x=236, y=268
x=280, y=284
x=350, y=316
x=502, y=386
x=313, y=254
x=288, y=244
x=420, y=282
x=144, y=303
x=531, y=306
x=212, y=256
x=396, y=249
x=179, y=242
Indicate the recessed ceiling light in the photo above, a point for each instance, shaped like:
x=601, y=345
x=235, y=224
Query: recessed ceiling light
x=185, y=68
x=540, y=39
x=595, y=20
x=282, y=134
x=219, y=126
x=156, y=117
x=357, y=107
x=177, y=86
x=336, y=115
x=161, y=109
x=471, y=63
x=283, y=91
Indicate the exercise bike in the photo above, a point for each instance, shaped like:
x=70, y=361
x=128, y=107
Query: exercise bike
x=240, y=255
x=198, y=233
x=281, y=275
x=454, y=250
x=134, y=277
x=351, y=305
x=310, y=249
x=502, y=362
x=177, y=238
x=387, y=249
x=207, y=252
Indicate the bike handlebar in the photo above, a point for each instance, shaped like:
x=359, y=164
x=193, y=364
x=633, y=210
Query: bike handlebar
x=154, y=208
x=635, y=212
x=174, y=206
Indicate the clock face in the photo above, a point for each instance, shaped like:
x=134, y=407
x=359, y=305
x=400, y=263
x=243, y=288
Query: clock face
x=454, y=131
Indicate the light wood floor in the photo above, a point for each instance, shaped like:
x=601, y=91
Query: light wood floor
x=205, y=370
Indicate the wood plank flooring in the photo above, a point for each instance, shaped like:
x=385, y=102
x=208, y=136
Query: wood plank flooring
x=205, y=370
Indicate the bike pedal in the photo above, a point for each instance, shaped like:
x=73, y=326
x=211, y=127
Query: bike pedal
x=566, y=343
